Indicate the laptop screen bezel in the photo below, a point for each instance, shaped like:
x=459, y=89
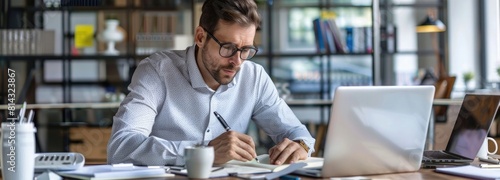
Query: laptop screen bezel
x=455, y=131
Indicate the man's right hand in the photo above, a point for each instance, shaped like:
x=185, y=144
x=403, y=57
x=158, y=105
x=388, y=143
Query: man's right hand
x=233, y=145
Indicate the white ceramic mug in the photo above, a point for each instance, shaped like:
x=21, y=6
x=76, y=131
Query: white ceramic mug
x=18, y=150
x=484, y=151
x=199, y=160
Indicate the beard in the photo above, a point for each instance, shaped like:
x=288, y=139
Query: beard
x=216, y=70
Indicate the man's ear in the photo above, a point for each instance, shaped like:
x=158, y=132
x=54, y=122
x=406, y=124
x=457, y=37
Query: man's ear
x=199, y=36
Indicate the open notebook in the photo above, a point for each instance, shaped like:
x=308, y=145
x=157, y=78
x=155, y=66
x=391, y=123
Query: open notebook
x=263, y=162
x=260, y=170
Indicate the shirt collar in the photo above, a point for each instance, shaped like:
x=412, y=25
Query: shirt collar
x=195, y=74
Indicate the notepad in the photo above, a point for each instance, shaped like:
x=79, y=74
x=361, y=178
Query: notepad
x=108, y=172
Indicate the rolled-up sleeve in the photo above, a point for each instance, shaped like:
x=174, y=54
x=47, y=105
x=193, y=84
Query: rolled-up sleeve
x=132, y=125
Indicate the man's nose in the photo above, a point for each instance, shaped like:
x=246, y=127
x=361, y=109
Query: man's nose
x=236, y=58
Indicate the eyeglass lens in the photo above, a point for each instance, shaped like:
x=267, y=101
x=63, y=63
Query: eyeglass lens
x=228, y=50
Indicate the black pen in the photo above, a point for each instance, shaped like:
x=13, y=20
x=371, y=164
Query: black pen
x=224, y=124
x=222, y=121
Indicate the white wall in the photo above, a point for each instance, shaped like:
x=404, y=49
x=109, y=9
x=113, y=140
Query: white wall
x=492, y=15
x=406, y=65
x=463, y=40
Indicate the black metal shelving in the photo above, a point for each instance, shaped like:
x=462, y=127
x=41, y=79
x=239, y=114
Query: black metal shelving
x=269, y=55
x=66, y=56
x=325, y=58
x=57, y=57
x=387, y=17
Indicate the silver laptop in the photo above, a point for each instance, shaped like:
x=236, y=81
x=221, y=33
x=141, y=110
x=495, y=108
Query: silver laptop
x=375, y=130
x=471, y=128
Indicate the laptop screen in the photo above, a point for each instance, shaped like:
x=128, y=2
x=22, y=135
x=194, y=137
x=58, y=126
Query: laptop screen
x=377, y=129
x=473, y=124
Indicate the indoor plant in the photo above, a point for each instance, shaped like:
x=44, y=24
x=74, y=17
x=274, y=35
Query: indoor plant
x=467, y=77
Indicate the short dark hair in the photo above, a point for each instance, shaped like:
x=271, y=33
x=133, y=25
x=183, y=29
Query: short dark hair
x=242, y=12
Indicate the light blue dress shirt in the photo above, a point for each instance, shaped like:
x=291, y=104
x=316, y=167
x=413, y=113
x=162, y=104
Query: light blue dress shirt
x=170, y=107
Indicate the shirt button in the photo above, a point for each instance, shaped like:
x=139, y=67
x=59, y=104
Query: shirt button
x=208, y=130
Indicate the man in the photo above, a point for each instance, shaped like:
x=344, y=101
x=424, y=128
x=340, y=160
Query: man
x=174, y=94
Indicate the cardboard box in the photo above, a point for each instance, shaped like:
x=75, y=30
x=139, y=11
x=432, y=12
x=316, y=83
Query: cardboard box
x=91, y=142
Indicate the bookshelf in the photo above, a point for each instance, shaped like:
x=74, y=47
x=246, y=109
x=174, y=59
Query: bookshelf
x=158, y=19
x=285, y=46
x=283, y=56
x=75, y=80
x=280, y=51
x=412, y=51
x=289, y=54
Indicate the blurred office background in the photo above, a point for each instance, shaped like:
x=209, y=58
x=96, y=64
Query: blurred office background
x=66, y=70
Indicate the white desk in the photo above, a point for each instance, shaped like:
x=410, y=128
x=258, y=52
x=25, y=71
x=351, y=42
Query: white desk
x=447, y=102
x=317, y=102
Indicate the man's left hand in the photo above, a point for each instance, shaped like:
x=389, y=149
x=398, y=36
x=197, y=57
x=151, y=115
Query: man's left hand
x=287, y=151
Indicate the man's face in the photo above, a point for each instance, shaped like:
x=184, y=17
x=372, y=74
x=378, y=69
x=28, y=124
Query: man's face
x=220, y=68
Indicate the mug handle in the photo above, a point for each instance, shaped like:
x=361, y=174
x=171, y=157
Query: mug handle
x=496, y=146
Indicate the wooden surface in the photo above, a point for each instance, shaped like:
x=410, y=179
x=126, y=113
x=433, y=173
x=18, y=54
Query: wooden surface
x=421, y=174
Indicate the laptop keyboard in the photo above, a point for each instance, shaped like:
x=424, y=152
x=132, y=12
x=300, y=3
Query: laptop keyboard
x=438, y=155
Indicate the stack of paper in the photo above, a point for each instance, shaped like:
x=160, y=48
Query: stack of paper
x=472, y=172
x=102, y=172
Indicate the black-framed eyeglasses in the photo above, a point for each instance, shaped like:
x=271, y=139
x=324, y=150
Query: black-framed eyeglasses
x=229, y=49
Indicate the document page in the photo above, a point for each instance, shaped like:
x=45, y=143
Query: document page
x=472, y=172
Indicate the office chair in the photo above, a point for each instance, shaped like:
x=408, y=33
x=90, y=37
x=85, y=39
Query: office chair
x=444, y=87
